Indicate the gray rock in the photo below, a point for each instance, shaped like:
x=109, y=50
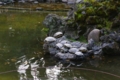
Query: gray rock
x=76, y=44
x=65, y=56
x=95, y=35
x=90, y=44
x=49, y=39
x=52, y=50
x=73, y=50
x=59, y=45
x=58, y=34
x=65, y=41
x=61, y=39
x=67, y=45
x=83, y=49
x=78, y=53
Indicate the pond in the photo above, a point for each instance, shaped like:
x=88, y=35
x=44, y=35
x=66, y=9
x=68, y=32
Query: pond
x=21, y=53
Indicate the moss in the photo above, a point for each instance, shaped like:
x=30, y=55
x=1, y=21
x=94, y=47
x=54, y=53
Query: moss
x=97, y=13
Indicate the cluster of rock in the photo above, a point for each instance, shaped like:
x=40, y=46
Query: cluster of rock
x=62, y=48
x=110, y=43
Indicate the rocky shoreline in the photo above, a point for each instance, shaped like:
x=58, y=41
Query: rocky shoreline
x=100, y=40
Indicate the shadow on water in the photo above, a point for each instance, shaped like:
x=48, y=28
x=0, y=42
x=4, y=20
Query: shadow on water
x=21, y=40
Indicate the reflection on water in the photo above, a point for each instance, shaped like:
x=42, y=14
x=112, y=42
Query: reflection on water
x=23, y=64
x=53, y=72
x=35, y=66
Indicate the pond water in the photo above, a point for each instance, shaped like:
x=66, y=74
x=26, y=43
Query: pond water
x=22, y=57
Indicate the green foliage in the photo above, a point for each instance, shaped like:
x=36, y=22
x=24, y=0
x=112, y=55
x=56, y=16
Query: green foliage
x=100, y=13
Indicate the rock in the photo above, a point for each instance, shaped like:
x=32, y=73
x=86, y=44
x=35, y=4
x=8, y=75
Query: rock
x=65, y=42
x=79, y=53
x=99, y=52
x=83, y=49
x=52, y=50
x=95, y=35
x=49, y=39
x=58, y=34
x=59, y=45
x=73, y=50
x=76, y=44
x=60, y=39
x=67, y=45
x=65, y=56
x=90, y=44
x=111, y=48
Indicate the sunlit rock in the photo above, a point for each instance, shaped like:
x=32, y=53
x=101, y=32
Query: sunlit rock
x=49, y=39
x=67, y=45
x=73, y=50
x=83, y=49
x=59, y=45
x=65, y=42
x=58, y=34
x=79, y=53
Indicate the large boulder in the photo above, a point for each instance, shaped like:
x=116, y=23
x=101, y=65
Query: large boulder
x=95, y=35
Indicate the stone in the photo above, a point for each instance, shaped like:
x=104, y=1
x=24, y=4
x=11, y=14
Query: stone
x=65, y=41
x=59, y=45
x=61, y=39
x=49, y=39
x=73, y=50
x=95, y=35
x=58, y=34
x=65, y=56
x=76, y=44
x=83, y=49
x=79, y=53
x=67, y=45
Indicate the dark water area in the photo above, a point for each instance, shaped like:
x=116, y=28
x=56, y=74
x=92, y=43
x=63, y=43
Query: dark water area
x=21, y=41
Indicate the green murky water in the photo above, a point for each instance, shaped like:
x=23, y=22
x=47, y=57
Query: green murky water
x=21, y=33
